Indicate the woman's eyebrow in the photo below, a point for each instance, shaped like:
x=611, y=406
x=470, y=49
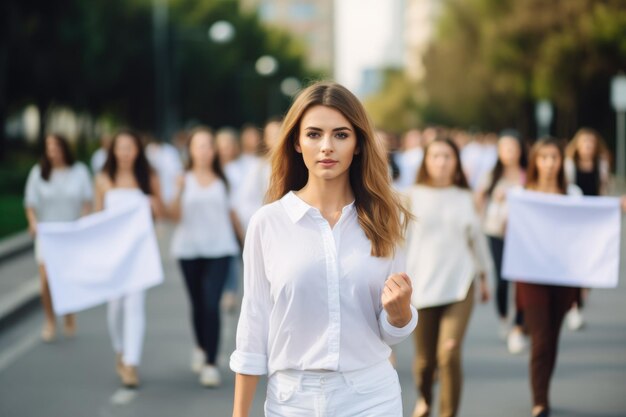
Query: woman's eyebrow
x=334, y=130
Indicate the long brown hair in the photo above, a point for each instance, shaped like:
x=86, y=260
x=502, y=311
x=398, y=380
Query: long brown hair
x=216, y=165
x=459, y=179
x=381, y=214
x=141, y=168
x=45, y=164
x=602, y=151
x=532, y=173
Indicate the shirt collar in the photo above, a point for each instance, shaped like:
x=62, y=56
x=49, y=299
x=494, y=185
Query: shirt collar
x=296, y=208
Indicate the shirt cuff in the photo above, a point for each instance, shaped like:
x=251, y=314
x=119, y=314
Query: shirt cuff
x=398, y=332
x=248, y=363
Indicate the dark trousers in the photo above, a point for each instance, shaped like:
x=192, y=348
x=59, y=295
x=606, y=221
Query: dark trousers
x=544, y=309
x=502, y=286
x=204, y=279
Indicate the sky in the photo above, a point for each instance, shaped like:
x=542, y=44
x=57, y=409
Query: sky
x=364, y=36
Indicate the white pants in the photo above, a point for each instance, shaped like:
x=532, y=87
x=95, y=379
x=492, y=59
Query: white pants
x=127, y=322
x=371, y=392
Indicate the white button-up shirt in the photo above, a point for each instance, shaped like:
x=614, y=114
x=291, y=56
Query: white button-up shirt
x=312, y=294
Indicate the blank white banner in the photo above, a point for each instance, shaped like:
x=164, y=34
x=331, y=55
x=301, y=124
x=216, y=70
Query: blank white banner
x=100, y=257
x=562, y=240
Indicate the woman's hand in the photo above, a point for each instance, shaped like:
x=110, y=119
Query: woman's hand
x=396, y=299
x=32, y=229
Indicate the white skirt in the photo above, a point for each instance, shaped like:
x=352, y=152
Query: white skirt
x=370, y=392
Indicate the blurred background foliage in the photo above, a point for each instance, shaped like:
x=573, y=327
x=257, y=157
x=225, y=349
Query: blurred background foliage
x=492, y=60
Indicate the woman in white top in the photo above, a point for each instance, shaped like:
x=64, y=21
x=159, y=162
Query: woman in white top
x=58, y=189
x=491, y=199
x=127, y=176
x=204, y=243
x=324, y=295
x=446, y=252
x=254, y=185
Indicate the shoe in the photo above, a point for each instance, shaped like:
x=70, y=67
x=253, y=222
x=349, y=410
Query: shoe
x=516, y=342
x=421, y=409
x=129, y=377
x=197, y=360
x=575, y=320
x=503, y=329
x=210, y=377
x=48, y=332
x=543, y=413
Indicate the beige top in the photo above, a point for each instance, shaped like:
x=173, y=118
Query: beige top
x=446, y=248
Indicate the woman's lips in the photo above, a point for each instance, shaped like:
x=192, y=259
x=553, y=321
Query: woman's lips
x=327, y=163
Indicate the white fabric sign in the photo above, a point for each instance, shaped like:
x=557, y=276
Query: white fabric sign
x=561, y=240
x=100, y=257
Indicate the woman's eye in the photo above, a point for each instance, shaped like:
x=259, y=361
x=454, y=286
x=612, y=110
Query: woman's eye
x=312, y=135
x=342, y=135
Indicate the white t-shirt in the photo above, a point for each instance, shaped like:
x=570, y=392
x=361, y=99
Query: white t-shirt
x=61, y=198
x=166, y=161
x=312, y=294
x=446, y=247
x=496, y=210
x=98, y=159
x=409, y=163
x=205, y=229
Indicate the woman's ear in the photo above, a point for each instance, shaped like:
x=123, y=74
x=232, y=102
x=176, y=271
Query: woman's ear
x=357, y=150
x=296, y=145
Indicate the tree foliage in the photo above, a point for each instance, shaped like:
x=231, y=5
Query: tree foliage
x=97, y=56
x=492, y=60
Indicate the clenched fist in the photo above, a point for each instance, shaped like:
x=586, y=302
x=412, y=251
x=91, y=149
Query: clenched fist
x=396, y=299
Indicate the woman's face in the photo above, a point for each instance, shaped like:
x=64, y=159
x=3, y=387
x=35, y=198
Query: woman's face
x=227, y=147
x=440, y=163
x=586, y=146
x=270, y=134
x=125, y=151
x=250, y=140
x=509, y=151
x=54, y=152
x=327, y=142
x=201, y=149
x=548, y=162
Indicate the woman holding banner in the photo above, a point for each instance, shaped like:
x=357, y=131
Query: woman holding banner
x=58, y=189
x=545, y=305
x=126, y=178
x=587, y=166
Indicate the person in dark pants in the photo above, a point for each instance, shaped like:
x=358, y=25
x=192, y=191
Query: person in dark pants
x=545, y=305
x=587, y=166
x=204, y=242
x=491, y=200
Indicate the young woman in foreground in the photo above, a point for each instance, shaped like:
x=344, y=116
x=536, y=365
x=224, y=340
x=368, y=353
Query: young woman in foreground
x=324, y=293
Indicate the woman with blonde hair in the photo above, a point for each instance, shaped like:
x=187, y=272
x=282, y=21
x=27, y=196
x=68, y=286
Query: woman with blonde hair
x=446, y=253
x=324, y=291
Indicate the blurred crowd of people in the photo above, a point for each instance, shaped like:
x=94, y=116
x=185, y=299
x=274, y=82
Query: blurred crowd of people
x=209, y=184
